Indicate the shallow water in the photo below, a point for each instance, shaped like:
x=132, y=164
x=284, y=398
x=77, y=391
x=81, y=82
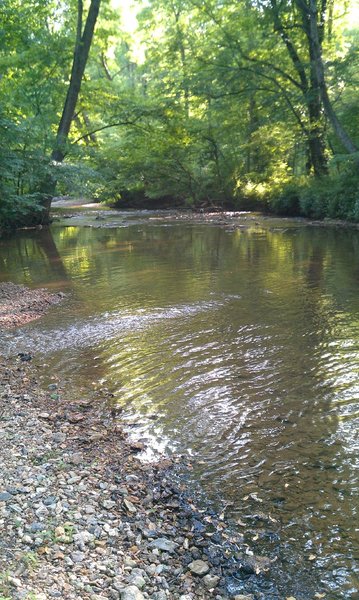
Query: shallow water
x=238, y=348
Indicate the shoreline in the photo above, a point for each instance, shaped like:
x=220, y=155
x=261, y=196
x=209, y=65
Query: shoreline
x=73, y=213
x=81, y=513
x=83, y=518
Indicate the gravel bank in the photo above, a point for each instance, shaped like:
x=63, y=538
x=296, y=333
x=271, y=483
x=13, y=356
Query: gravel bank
x=82, y=518
x=20, y=305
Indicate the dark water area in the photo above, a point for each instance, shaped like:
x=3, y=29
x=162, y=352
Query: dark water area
x=238, y=347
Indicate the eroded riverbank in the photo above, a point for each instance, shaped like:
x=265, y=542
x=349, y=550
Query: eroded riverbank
x=82, y=517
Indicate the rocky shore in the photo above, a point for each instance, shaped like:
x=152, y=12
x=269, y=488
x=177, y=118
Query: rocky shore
x=82, y=518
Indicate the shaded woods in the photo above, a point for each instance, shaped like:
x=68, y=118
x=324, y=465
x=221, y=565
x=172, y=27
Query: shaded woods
x=236, y=104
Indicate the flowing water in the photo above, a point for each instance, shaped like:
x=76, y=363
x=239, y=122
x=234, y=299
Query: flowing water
x=236, y=347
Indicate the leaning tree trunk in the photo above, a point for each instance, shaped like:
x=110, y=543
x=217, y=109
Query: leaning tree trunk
x=82, y=48
x=84, y=38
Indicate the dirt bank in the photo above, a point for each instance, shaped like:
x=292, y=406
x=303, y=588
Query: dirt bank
x=20, y=305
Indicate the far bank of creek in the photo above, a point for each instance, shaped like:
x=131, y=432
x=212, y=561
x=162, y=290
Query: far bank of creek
x=229, y=340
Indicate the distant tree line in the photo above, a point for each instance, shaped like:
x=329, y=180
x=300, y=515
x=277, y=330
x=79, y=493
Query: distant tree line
x=241, y=104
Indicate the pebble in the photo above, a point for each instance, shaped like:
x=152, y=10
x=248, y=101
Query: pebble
x=5, y=496
x=199, y=567
x=129, y=506
x=132, y=593
x=59, y=437
x=163, y=544
x=211, y=581
x=77, y=557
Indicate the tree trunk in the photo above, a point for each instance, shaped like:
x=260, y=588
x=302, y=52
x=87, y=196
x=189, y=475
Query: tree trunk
x=309, y=88
x=82, y=48
x=81, y=52
x=318, y=66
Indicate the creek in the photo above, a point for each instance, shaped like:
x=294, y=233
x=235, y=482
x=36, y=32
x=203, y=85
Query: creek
x=236, y=346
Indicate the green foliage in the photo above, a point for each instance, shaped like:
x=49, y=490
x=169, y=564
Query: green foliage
x=334, y=197
x=202, y=104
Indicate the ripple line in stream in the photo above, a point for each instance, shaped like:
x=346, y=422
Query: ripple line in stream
x=98, y=328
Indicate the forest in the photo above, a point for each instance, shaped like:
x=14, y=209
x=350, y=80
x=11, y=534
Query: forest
x=249, y=104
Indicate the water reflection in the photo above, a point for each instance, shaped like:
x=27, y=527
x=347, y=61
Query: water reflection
x=244, y=345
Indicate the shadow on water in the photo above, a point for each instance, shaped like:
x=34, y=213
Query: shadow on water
x=32, y=258
x=237, y=347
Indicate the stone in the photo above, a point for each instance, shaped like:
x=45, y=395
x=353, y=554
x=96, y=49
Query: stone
x=35, y=527
x=199, y=567
x=211, y=581
x=76, y=459
x=108, y=504
x=83, y=538
x=59, y=437
x=129, y=562
x=118, y=583
x=132, y=592
x=129, y=506
x=244, y=597
x=163, y=544
x=77, y=557
x=50, y=500
x=5, y=496
x=138, y=581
